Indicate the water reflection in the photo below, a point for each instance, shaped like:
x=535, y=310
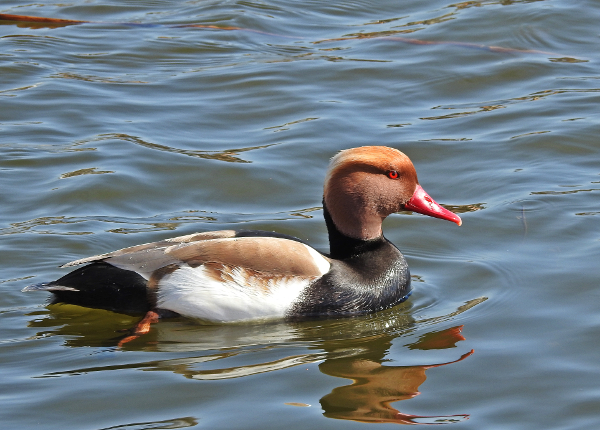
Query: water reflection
x=227, y=155
x=177, y=423
x=355, y=349
x=375, y=386
x=64, y=225
x=88, y=171
x=387, y=34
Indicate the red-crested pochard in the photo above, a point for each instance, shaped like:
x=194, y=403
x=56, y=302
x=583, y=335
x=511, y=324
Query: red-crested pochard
x=226, y=276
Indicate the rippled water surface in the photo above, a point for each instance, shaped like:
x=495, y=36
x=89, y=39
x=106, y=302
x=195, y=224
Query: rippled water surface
x=114, y=133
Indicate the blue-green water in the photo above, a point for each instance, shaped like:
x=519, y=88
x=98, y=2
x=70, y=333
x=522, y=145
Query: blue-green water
x=113, y=135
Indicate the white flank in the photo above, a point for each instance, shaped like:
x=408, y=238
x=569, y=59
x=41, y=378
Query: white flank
x=192, y=293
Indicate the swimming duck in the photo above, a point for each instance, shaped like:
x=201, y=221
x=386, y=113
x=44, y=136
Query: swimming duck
x=227, y=276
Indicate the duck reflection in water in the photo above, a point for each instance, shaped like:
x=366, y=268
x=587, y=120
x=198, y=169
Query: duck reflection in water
x=352, y=349
x=376, y=386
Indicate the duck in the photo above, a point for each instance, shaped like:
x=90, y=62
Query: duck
x=245, y=275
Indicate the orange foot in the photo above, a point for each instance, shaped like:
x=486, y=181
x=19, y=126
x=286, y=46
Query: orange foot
x=141, y=328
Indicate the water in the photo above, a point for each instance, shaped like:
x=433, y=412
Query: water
x=113, y=135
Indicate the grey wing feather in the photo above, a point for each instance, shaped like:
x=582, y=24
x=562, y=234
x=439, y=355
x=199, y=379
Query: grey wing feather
x=149, y=255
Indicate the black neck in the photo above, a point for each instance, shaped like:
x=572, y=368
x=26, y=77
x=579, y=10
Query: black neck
x=342, y=246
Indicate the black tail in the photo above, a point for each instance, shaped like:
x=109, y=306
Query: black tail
x=100, y=285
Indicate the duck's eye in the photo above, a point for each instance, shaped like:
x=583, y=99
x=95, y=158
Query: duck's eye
x=392, y=174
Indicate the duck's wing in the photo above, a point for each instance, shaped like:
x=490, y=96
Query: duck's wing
x=273, y=255
x=152, y=246
x=235, y=279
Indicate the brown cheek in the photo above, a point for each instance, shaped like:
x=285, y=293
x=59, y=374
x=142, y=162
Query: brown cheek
x=407, y=189
x=395, y=196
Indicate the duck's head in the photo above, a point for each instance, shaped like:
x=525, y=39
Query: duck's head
x=364, y=185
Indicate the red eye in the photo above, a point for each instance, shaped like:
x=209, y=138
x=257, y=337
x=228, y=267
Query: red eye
x=392, y=174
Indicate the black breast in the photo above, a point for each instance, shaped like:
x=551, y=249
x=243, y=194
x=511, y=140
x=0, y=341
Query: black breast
x=375, y=278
